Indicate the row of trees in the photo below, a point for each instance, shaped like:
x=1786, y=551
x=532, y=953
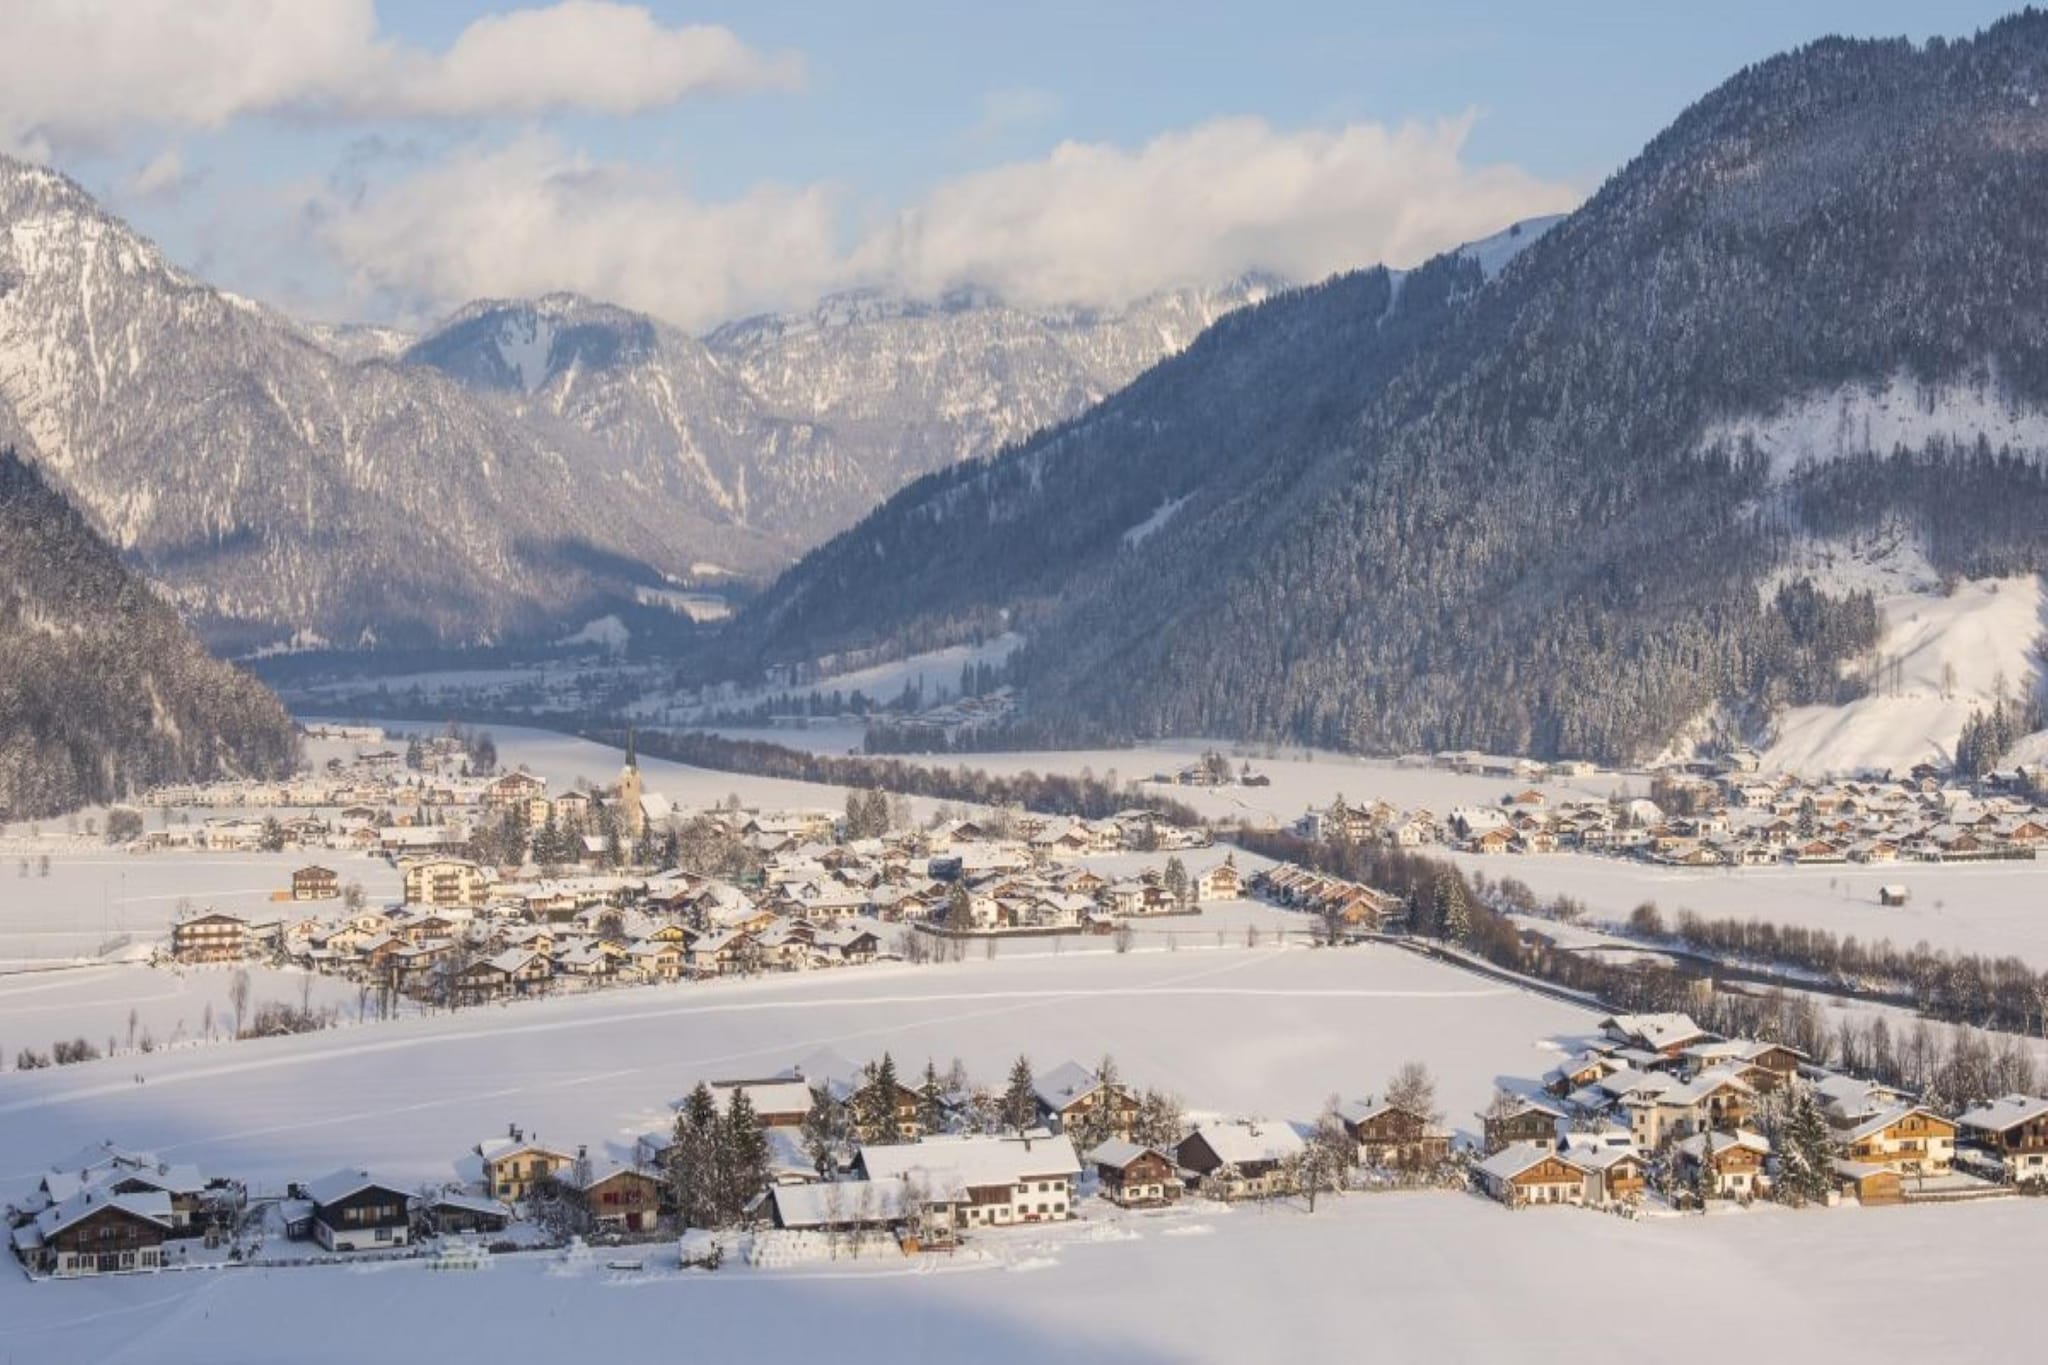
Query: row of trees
x=1080, y=795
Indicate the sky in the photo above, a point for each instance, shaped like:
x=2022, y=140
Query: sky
x=350, y=160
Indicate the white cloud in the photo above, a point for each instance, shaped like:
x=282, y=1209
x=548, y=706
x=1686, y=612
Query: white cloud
x=83, y=73
x=531, y=217
x=1101, y=224
x=1090, y=223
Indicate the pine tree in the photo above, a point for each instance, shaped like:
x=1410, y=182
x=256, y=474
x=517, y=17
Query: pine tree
x=875, y=1103
x=1020, y=1099
x=693, y=1159
x=1453, y=911
x=744, y=1170
x=931, y=1110
x=825, y=1132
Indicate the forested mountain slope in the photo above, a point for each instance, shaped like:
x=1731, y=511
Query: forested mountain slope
x=103, y=691
x=1545, y=516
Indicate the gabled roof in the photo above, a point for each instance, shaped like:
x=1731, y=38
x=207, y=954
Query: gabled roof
x=1064, y=1084
x=950, y=1166
x=153, y=1205
x=1517, y=1157
x=1239, y=1142
x=1118, y=1154
x=2007, y=1111
x=1876, y=1124
x=339, y=1185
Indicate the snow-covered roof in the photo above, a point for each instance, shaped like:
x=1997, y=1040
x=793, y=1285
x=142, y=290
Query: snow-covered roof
x=343, y=1183
x=1240, y=1142
x=154, y=1205
x=1064, y=1084
x=2007, y=1111
x=1116, y=1153
x=1517, y=1157
x=950, y=1166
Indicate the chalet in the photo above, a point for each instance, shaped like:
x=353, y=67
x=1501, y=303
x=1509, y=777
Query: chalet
x=514, y=1165
x=1242, y=1158
x=315, y=884
x=655, y=960
x=1133, y=1175
x=516, y=971
x=1070, y=1094
x=2014, y=1131
x=211, y=937
x=1729, y=1163
x=454, y=1212
x=354, y=1212
x=1523, y=1120
x=1616, y=1171
x=1393, y=1137
x=1911, y=1139
x=1220, y=883
x=1531, y=1173
x=95, y=1232
x=612, y=1197
x=723, y=954
x=970, y=1182
x=1666, y=1034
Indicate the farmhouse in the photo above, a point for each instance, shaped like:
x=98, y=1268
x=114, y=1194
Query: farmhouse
x=96, y=1233
x=972, y=1182
x=1071, y=1094
x=1243, y=1158
x=1134, y=1176
x=612, y=1197
x=1394, y=1137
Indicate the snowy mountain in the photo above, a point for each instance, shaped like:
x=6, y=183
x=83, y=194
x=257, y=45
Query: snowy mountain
x=106, y=692
x=517, y=470
x=1546, y=506
x=793, y=426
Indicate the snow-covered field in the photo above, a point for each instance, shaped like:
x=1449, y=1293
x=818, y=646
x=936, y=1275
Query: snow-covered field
x=1992, y=908
x=1300, y=777
x=1442, y=1277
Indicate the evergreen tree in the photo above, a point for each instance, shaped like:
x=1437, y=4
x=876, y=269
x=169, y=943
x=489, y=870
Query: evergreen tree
x=826, y=1131
x=1453, y=913
x=875, y=1103
x=744, y=1169
x=1020, y=1098
x=693, y=1160
x=931, y=1110
x=1177, y=883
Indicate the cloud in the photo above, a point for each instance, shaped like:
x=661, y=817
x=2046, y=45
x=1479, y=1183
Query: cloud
x=162, y=178
x=85, y=73
x=1096, y=223
x=1089, y=224
x=531, y=217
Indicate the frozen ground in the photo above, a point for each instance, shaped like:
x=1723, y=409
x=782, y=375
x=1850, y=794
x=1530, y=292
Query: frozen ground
x=1993, y=908
x=1441, y=1277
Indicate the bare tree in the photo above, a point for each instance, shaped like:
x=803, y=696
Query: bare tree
x=238, y=996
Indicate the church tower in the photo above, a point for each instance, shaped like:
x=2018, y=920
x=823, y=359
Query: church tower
x=632, y=815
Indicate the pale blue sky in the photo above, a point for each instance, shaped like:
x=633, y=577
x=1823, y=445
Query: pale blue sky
x=899, y=101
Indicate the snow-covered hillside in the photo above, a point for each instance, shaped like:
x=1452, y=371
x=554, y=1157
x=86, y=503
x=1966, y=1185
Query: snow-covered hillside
x=1940, y=659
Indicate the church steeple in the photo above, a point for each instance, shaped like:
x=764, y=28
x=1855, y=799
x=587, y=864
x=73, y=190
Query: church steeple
x=631, y=761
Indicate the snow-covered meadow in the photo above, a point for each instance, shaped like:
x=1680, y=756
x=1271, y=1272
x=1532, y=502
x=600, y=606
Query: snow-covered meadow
x=1272, y=1030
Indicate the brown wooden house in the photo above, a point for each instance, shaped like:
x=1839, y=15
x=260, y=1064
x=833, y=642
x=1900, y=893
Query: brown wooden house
x=1394, y=1138
x=610, y=1197
x=1134, y=1176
